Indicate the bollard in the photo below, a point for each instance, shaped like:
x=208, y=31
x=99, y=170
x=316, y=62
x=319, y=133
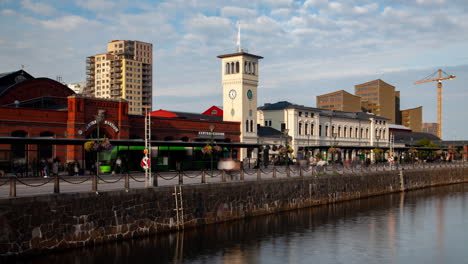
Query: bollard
x=12, y=186
x=274, y=173
x=127, y=182
x=300, y=172
x=181, y=178
x=288, y=172
x=56, y=184
x=94, y=187
x=259, y=174
x=155, y=179
x=203, y=176
x=242, y=174
x=223, y=176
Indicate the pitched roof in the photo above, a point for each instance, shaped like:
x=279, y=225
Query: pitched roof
x=268, y=132
x=323, y=112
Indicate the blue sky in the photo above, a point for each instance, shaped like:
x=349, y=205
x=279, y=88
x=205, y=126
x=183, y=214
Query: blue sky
x=310, y=47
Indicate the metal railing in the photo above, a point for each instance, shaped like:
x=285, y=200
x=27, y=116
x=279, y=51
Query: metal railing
x=93, y=182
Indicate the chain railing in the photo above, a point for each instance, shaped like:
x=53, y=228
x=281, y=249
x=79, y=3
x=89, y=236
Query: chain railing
x=200, y=177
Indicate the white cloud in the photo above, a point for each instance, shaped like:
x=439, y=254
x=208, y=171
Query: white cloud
x=38, y=8
x=66, y=23
x=233, y=11
x=276, y=3
x=96, y=5
x=281, y=12
x=8, y=12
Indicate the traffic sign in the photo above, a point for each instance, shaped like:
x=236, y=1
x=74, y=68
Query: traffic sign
x=390, y=159
x=145, y=163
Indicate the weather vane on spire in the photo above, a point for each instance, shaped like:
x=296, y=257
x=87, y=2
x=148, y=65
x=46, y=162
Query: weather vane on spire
x=238, y=42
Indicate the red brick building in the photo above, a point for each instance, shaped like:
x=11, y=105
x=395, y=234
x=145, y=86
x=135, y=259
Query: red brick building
x=41, y=107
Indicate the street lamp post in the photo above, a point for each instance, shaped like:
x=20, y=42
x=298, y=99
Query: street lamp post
x=211, y=127
x=334, y=135
x=99, y=118
x=377, y=137
x=286, y=147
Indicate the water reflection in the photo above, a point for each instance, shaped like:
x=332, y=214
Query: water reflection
x=424, y=226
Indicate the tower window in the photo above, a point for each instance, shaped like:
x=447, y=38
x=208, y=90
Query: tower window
x=246, y=125
x=237, y=67
x=227, y=68
x=251, y=126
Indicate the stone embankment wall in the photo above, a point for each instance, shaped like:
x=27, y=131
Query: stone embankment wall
x=31, y=225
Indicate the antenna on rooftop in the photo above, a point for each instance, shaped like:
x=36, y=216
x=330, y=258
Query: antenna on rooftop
x=238, y=42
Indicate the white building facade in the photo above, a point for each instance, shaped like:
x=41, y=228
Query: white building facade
x=311, y=129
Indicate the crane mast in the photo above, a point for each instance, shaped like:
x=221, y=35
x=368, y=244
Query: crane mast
x=439, y=80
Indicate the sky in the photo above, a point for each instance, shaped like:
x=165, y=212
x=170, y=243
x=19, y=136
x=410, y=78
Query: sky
x=310, y=47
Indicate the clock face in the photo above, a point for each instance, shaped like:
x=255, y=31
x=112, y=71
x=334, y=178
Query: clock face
x=232, y=94
x=249, y=94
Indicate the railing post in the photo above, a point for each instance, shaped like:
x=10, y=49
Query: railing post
x=242, y=174
x=274, y=173
x=259, y=174
x=12, y=186
x=300, y=172
x=203, y=176
x=57, y=184
x=223, y=176
x=155, y=179
x=94, y=187
x=288, y=172
x=181, y=178
x=127, y=182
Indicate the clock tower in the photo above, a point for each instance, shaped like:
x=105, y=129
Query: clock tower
x=240, y=85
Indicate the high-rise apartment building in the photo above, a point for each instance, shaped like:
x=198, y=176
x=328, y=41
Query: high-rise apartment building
x=125, y=71
x=339, y=100
x=412, y=118
x=379, y=98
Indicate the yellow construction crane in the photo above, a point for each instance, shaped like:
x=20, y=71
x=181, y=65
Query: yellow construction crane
x=439, y=80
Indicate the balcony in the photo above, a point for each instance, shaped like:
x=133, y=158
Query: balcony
x=90, y=60
x=115, y=93
x=90, y=67
x=117, y=76
x=117, y=81
x=116, y=63
x=90, y=79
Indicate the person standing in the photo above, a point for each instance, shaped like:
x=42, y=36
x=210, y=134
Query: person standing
x=55, y=167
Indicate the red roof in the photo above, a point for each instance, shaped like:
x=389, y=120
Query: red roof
x=163, y=113
x=214, y=110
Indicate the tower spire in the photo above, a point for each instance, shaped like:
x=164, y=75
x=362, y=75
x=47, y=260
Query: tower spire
x=238, y=42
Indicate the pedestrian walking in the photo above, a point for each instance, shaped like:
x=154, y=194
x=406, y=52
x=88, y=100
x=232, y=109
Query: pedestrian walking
x=55, y=167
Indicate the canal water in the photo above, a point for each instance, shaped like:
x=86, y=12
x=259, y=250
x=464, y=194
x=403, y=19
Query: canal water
x=423, y=226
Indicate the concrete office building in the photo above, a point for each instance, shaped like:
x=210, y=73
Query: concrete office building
x=430, y=128
x=125, y=71
x=339, y=100
x=412, y=118
x=379, y=98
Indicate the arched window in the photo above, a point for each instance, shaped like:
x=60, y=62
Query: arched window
x=300, y=129
x=251, y=126
x=253, y=68
x=232, y=68
x=237, y=67
x=345, y=132
x=245, y=67
x=351, y=132
x=320, y=130
x=306, y=129
x=326, y=131
x=356, y=134
x=227, y=68
x=312, y=129
x=246, y=125
x=367, y=133
x=362, y=132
